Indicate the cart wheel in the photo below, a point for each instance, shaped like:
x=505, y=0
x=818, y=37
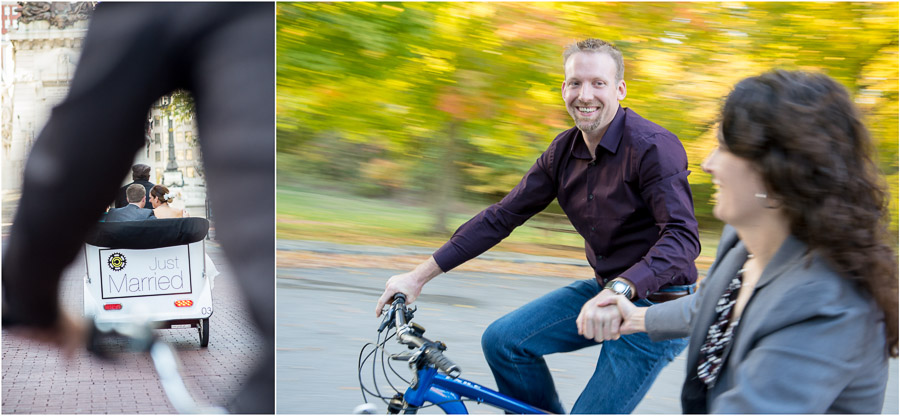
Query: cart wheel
x=203, y=329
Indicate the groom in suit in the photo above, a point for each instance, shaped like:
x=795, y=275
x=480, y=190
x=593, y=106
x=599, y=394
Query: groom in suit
x=135, y=210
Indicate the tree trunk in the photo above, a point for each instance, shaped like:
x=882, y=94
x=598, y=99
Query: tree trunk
x=445, y=183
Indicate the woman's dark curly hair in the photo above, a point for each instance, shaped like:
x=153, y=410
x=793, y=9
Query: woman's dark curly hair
x=806, y=137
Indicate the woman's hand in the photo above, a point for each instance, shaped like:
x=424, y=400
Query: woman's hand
x=632, y=316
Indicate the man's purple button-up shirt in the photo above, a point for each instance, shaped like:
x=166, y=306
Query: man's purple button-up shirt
x=632, y=204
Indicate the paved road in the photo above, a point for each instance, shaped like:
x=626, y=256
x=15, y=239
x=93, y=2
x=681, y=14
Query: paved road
x=37, y=379
x=325, y=315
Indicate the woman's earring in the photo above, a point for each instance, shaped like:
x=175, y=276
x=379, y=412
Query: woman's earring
x=766, y=201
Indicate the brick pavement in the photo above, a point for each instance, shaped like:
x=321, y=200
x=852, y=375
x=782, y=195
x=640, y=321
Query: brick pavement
x=38, y=379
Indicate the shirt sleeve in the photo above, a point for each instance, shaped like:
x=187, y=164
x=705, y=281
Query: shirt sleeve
x=662, y=171
x=533, y=193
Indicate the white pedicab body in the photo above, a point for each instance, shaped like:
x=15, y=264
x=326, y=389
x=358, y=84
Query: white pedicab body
x=149, y=271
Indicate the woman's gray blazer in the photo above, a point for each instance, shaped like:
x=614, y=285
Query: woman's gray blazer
x=809, y=341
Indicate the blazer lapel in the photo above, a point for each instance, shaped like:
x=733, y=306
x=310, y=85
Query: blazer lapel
x=791, y=251
x=731, y=257
x=693, y=396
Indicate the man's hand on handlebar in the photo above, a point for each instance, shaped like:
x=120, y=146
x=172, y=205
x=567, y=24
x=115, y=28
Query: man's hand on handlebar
x=406, y=283
x=409, y=283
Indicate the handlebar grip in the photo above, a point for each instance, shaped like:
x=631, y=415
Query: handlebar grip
x=399, y=297
x=435, y=357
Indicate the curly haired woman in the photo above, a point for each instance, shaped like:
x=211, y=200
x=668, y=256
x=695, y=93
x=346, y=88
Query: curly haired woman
x=798, y=313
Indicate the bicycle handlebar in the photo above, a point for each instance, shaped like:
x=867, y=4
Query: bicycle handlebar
x=141, y=338
x=437, y=358
x=431, y=350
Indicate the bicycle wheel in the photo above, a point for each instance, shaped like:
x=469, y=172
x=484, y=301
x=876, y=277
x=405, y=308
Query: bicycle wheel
x=203, y=329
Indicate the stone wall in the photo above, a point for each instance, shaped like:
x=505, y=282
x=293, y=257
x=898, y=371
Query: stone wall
x=36, y=78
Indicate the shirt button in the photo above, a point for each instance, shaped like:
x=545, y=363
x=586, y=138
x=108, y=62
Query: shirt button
x=590, y=197
x=599, y=257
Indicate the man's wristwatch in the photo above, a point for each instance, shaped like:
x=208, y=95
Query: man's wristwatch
x=619, y=287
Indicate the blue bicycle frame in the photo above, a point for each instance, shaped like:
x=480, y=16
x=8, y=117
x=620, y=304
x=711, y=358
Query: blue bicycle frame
x=429, y=385
x=447, y=393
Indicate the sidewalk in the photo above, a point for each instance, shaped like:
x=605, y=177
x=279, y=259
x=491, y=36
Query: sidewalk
x=334, y=248
x=318, y=254
x=315, y=254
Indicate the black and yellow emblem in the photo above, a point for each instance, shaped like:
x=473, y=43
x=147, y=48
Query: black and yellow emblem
x=116, y=261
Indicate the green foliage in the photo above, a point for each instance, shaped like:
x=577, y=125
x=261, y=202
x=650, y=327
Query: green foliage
x=459, y=99
x=181, y=105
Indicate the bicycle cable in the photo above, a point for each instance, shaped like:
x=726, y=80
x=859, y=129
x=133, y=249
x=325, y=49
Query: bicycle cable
x=378, y=345
x=384, y=369
x=362, y=364
x=397, y=374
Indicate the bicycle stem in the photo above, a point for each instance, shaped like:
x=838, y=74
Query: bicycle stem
x=403, y=330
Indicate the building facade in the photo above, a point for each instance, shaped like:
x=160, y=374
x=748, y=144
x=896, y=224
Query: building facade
x=38, y=61
x=173, y=153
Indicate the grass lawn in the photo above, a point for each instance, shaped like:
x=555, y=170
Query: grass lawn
x=315, y=212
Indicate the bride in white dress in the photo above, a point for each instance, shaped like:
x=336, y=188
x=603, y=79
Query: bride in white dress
x=160, y=197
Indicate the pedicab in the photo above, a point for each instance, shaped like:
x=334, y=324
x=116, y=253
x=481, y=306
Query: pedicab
x=149, y=271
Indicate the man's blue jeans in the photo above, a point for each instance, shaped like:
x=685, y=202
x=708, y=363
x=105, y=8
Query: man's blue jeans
x=515, y=344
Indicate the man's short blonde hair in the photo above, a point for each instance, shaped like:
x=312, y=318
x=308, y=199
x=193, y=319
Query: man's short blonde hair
x=597, y=45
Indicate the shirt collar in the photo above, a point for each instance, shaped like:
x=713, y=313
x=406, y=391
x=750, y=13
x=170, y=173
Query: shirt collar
x=610, y=140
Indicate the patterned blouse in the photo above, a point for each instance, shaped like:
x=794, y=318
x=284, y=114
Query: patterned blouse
x=719, y=336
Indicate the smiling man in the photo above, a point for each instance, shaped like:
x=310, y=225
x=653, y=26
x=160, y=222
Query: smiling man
x=622, y=181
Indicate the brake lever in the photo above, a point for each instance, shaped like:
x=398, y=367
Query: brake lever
x=388, y=321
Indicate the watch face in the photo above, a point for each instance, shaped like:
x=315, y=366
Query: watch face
x=621, y=288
